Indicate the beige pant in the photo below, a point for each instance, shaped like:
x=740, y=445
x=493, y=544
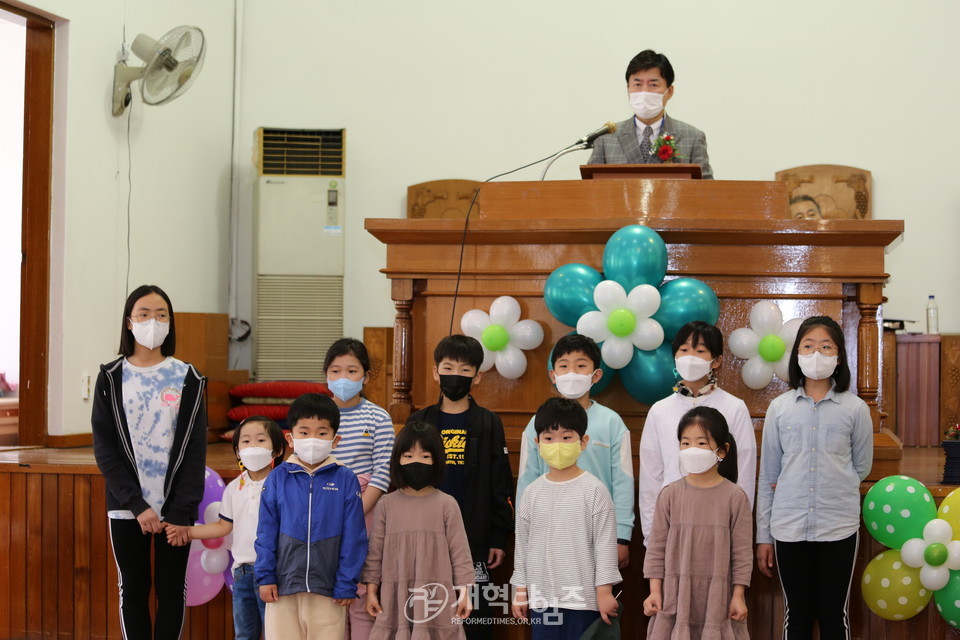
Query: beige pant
x=308, y=616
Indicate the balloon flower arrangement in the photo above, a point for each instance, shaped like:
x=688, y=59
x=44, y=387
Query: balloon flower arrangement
x=923, y=559
x=629, y=310
x=765, y=345
x=503, y=336
x=210, y=561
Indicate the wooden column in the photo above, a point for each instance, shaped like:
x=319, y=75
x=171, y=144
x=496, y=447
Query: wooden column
x=401, y=406
x=869, y=297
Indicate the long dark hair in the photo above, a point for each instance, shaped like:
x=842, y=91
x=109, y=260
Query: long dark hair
x=715, y=425
x=127, y=341
x=840, y=375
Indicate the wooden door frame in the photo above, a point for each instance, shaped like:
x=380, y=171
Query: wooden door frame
x=35, y=242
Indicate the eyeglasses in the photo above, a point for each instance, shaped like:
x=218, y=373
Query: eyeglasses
x=143, y=316
x=825, y=349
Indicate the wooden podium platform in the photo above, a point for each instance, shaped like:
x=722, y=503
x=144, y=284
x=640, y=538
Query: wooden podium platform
x=734, y=236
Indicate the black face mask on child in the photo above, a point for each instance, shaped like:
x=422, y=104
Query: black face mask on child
x=455, y=387
x=416, y=475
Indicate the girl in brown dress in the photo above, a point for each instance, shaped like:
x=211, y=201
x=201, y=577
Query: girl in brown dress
x=699, y=555
x=419, y=569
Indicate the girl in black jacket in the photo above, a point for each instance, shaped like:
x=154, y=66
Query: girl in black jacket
x=149, y=438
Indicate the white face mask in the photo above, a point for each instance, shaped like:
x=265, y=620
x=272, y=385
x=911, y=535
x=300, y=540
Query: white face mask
x=151, y=333
x=255, y=458
x=312, y=450
x=694, y=460
x=646, y=104
x=574, y=385
x=817, y=366
x=692, y=368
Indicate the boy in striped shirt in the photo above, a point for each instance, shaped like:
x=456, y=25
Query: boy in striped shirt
x=565, y=556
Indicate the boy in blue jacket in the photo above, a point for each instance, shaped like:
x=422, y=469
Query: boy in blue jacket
x=311, y=538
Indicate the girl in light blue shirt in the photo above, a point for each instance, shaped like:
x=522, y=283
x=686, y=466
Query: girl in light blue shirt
x=817, y=448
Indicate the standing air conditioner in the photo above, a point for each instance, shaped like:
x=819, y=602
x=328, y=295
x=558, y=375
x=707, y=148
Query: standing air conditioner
x=297, y=251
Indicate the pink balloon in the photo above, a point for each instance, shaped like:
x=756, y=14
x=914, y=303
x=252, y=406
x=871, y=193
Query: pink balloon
x=201, y=586
x=212, y=543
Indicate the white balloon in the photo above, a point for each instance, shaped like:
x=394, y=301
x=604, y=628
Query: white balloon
x=609, y=296
x=743, y=343
x=474, y=322
x=489, y=359
x=782, y=367
x=788, y=332
x=644, y=300
x=648, y=335
x=505, y=311
x=934, y=578
x=212, y=513
x=526, y=334
x=937, y=530
x=617, y=352
x=757, y=373
x=953, y=555
x=766, y=318
x=214, y=561
x=593, y=324
x=912, y=552
x=511, y=363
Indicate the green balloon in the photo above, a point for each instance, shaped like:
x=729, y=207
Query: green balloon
x=621, y=322
x=948, y=600
x=495, y=337
x=935, y=554
x=771, y=347
x=896, y=509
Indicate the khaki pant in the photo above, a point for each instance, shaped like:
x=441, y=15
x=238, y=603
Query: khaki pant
x=308, y=616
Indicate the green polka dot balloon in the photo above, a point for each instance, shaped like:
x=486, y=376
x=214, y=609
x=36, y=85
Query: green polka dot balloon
x=948, y=600
x=896, y=509
x=891, y=589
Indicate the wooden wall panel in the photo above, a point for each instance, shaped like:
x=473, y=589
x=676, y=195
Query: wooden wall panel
x=918, y=388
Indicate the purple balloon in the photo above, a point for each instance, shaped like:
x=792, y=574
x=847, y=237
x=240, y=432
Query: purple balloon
x=202, y=587
x=228, y=574
x=212, y=489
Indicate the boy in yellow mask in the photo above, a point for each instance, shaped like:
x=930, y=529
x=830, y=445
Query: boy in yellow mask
x=566, y=532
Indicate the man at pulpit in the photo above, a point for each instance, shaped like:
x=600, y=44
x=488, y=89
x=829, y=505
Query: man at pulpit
x=651, y=136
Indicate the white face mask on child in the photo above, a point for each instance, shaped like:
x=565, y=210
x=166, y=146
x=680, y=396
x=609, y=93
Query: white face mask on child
x=255, y=458
x=695, y=460
x=574, y=385
x=312, y=450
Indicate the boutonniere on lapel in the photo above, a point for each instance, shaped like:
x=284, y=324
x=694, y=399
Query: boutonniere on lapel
x=666, y=148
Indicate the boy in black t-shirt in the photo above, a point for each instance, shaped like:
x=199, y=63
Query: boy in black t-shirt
x=478, y=472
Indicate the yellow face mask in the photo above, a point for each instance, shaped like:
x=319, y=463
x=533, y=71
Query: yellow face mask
x=560, y=455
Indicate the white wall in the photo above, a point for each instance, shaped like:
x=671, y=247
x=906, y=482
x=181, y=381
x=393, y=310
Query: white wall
x=12, y=52
x=433, y=89
x=181, y=186
x=436, y=89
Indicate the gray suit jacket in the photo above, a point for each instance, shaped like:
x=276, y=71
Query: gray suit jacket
x=622, y=147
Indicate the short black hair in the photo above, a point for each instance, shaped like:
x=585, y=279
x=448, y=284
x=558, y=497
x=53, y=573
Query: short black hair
x=796, y=199
x=840, y=375
x=715, y=425
x=429, y=439
x=459, y=348
x=316, y=406
x=347, y=347
x=560, y=413
x=127, y=341
x=573, y=342
x=273, y=430
x=649, y=59
x=703, y=333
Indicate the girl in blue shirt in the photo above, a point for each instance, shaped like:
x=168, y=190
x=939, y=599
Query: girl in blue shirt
x=817, y=447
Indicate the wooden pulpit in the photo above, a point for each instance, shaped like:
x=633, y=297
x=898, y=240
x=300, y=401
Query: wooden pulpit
x=734, y=236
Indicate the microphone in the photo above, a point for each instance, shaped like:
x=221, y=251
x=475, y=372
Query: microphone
x=602, y=131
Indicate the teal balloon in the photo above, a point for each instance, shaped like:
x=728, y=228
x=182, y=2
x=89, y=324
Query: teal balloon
x=649, y=375
x=605, y=380
x=635, y=255
x=684, y=300
x=948, y=600
x=568, y=292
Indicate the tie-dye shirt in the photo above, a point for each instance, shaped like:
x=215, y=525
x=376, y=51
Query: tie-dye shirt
x=151, y=402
